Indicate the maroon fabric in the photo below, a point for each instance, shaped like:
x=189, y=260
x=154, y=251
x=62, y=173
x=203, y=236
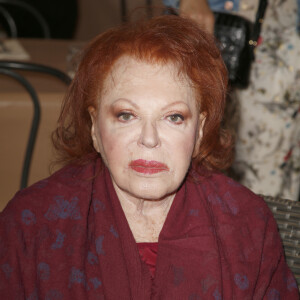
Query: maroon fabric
x=67, y=237
x=148, y=253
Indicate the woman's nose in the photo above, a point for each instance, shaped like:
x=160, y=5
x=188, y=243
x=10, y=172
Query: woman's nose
x=149, y=136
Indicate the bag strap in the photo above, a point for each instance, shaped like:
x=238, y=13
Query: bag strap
x=259, y=18
x=260, y=13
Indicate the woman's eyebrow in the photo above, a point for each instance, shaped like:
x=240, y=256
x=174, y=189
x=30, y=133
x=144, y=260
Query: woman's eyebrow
x=115, y=102
x=176, y=103
x=136, y=106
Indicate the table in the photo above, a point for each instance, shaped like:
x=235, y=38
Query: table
x=16, y=113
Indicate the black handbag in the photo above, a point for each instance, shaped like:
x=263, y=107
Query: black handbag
x=237, y=39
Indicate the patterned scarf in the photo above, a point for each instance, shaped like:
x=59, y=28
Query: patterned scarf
x=67, y=237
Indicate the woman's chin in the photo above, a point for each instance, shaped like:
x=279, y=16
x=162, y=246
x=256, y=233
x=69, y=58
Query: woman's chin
x=150, y=193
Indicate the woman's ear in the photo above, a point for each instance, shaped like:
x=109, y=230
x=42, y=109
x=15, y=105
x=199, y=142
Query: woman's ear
x=93, y=115
x=199, y=135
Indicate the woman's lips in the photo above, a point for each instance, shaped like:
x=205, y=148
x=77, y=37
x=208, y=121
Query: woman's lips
x=148, y=166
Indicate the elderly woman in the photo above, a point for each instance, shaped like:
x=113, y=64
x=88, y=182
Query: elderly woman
x=142, y=211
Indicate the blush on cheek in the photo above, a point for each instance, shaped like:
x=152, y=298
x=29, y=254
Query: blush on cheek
x=108, y=142
x=188, y=147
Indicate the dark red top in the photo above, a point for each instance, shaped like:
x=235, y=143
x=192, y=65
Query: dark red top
x=148, y=253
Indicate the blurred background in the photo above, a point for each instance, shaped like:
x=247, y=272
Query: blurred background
x=77, y=19
x=39, y=46
x=95, y=16
x=40, y=43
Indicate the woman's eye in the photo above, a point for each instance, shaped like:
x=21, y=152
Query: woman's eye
x=125, y=116
x=176, y=118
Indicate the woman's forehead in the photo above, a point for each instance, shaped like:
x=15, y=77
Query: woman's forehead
x=128, y=70
x=128, y=64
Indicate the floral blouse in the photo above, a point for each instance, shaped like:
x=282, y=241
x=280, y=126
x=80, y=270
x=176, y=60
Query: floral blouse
x=268, y=112
x=268, y=131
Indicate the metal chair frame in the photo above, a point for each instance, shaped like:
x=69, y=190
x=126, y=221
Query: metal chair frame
x=29, y=8
x=34, y=124
x=8, y=68
x=10, y=21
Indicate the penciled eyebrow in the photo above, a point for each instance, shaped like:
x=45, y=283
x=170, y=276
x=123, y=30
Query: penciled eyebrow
x=176, y=103
x=126, y=100
x=137, y=107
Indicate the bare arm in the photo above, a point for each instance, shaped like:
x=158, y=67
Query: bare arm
x=199, y=11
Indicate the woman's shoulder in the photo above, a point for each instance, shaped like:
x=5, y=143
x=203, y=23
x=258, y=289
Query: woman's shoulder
x=240, y=216
x=230, y=197
x=51, y=196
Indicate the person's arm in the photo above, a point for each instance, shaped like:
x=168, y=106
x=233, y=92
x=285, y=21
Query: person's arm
x=283, y=283
x=275, y=280
x=199, y=11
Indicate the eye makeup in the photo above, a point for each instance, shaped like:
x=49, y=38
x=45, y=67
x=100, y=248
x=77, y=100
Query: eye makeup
x=125, y=116
x=176, y=118
x=124, y=111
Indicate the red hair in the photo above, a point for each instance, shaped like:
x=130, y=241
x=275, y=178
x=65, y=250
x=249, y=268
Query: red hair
x=161, y=40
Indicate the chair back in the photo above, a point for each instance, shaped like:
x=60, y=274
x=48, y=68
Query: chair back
x=11, y=68
x=24, y=6
x=287, y=215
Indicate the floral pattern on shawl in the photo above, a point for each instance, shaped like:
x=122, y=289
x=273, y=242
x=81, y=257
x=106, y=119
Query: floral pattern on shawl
x=67, y=238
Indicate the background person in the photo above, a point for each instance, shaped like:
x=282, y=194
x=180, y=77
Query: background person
x=268, y=131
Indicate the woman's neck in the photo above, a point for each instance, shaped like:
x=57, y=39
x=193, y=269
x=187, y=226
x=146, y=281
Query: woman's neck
x=145, y=217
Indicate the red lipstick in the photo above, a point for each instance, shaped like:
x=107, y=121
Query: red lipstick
x=148, y=166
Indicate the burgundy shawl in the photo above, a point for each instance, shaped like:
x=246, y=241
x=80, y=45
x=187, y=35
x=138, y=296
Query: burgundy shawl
x=66, y=237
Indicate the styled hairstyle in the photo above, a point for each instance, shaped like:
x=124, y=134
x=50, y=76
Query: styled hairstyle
x=161, y=40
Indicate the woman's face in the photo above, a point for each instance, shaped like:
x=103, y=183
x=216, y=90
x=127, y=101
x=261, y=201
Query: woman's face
x=146, y=128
